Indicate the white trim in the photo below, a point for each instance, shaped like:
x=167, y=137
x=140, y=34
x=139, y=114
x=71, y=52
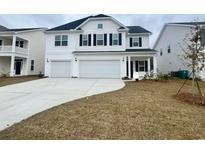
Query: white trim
x=101, y=18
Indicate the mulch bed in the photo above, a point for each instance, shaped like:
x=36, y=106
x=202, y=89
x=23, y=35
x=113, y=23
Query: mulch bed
x=189, y=98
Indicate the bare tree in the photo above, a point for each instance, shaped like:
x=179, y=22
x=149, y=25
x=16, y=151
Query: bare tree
x=193, y=56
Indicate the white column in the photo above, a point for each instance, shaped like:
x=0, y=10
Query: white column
x=155, y=64
x=13, y=43
x=148, y=64
x=12, y=66
x=129, y=67
x=28, y=59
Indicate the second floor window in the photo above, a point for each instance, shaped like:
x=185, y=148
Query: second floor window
x=115, y=40
x=61, y=40
x=20, y=44
x=100, y=26
x=100, y=39
x=85, y=40
x=135, y=42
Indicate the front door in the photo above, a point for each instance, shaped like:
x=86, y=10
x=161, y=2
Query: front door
x=18, y=67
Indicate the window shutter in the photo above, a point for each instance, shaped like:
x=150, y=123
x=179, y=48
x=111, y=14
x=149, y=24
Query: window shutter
x=146, y=66
x=81, y=39
x=110, y=39
x=136, y=66
x=89, y=39
x=105, y=39
x=140, y=42
x=130, y=41
x=94, y=39
x=120, y=38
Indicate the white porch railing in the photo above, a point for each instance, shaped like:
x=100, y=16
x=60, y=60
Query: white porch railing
x=21, y=50
x=5, y=48
x=8, y=49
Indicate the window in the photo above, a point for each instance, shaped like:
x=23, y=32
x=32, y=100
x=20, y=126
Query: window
x=169, y=49
x=100, y=26
x=20, y=44
x=100, y=39
x=61, y=40
x=161, y=53
x=0, y=42
x=85, y=40
x=64, y=40
x=115, y=40
x=135, y=41
x=32, y=65
x=141, y=66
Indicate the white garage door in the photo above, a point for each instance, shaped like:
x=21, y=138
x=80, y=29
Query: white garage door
x=60, y=69
x=99, y=69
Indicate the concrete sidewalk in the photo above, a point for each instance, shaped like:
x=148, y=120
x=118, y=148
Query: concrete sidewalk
x=20, y=101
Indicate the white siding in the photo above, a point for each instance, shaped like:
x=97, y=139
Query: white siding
x=172, y=35
x=37, y=50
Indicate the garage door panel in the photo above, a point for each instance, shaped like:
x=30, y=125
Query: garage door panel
x=99, y=68
x=60, y=69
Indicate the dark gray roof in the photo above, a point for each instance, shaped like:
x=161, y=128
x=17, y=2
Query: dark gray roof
x=2, y=28
x=137, y=29
x=127, y=50
x=18, y=29
x=188, y=23
x=76, y=23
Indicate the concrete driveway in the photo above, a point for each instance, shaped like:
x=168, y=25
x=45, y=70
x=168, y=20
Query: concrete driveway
x=20, y=101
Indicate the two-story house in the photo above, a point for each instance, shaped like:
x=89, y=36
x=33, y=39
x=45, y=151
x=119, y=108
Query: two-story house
x=22, y=51
x=98, y=47
x=170, y=43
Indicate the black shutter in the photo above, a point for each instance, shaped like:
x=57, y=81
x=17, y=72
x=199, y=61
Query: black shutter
x=89, y=39
x=140, y=42
x=110, y=39
x=136, y=66
x=105, y=39
x=203, y=37
x=130, y=41
x=120, y=38
x=146, y=66
x=81, y=40
x=94, y=39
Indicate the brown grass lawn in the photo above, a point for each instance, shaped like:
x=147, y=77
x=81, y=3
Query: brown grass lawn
x=12, y=80
x=141, y=110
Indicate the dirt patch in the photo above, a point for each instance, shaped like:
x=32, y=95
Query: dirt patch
x=13, y=80
x=189, y=98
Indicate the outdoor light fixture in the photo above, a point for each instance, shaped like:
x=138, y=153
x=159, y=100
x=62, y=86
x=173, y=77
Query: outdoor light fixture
x=76, y=59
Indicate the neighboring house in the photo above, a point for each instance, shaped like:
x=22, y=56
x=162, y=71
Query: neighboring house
x=22, y=51
x=170, y=43
x=98, y=47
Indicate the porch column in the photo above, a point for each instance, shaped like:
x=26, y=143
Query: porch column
x=12, y=66
x=129, y=67
x=148, y=64
x=155, y=64
x=13, y=43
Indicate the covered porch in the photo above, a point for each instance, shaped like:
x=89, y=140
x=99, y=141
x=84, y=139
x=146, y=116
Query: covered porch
x=141, y=65
x=13, y=66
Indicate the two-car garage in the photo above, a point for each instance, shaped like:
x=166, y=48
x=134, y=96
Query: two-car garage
x=87, y=69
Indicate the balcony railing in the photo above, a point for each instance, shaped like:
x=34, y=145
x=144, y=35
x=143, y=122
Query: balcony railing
x=8, y=49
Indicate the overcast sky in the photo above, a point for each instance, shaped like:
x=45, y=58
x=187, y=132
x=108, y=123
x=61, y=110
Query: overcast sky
x=151, y=22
